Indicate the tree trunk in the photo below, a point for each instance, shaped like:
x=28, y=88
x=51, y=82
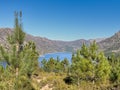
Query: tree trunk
x=93, y=82
x=17, y=72
x=78, y=83
x=17, y=48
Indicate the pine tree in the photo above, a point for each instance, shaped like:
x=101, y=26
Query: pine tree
x=65, y=65
x=102, y=68
x=115, y=70
x=22, y=59
x=89, y=64
x=16, y=41
x=82, y=68
x=44, y=64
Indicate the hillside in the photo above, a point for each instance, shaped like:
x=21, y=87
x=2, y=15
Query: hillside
x=111, y=44
x=45, y=45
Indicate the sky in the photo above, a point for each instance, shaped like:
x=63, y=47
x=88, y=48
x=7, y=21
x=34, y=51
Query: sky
x=65, y=20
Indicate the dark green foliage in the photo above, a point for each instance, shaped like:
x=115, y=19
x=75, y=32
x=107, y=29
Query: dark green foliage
x=69, y=80
x=115, y=70
x=89, y=64
x=55, y=65
x=65, y=65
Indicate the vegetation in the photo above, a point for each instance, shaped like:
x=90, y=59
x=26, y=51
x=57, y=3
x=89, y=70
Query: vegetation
x=21, y=60
x=90, y=65
x=89, y=69
x=53, y=65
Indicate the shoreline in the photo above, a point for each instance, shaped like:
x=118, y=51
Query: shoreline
x=54, y=53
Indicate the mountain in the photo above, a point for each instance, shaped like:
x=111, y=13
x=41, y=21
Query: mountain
x=111, y=44
x=45, y=45
x=97, y=39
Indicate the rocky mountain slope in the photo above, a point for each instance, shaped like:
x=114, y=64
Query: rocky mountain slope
x=111, y=44
x=45, y=45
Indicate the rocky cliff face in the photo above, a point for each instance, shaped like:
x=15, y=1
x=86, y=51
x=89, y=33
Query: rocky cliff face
x=111, y=44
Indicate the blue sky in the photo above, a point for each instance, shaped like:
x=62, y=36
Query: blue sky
x=64, y=19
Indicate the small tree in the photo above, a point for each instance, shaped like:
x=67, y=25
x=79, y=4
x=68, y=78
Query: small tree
x=81, y=68
x=65, y=65
x=22, y=59
x=102, y=68
x=16, y=41
x=115, y=70
x=90, y=64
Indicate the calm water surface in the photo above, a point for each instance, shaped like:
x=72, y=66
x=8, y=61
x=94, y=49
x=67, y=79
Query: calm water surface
x=61, y=56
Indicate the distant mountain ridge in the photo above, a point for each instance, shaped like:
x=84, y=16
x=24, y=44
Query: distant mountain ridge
x=45, y=45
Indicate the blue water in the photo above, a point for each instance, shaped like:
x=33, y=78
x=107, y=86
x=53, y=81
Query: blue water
x=4, y=64
x=61, y=55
